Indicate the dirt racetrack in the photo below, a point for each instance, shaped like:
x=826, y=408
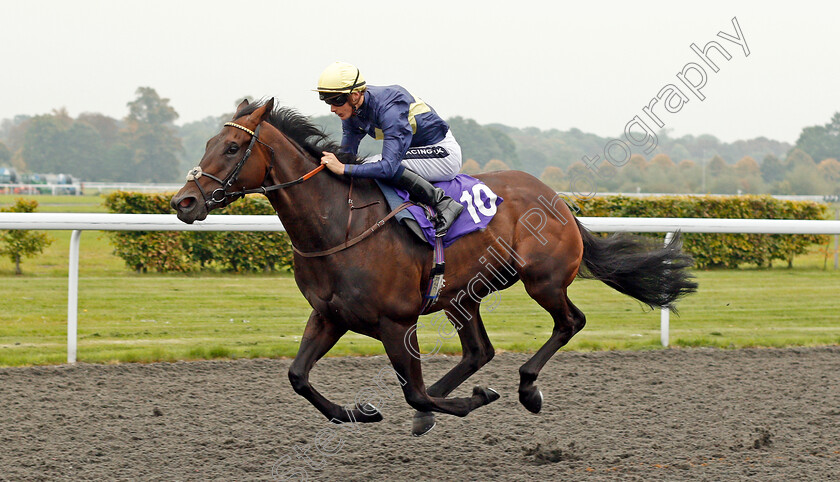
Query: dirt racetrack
x=680, y=414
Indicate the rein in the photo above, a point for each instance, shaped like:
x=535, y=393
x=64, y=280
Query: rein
x=347, y=244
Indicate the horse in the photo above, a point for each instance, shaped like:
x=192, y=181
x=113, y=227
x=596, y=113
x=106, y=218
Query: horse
x=362, y=273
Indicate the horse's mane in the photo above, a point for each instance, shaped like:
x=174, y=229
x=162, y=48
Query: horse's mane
x=301, y=130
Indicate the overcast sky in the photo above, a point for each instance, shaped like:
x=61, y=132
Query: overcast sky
x=547, y=64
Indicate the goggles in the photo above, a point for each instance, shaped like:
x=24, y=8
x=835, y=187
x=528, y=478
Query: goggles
x=337, y=100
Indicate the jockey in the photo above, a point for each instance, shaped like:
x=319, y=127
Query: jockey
x=418, y=146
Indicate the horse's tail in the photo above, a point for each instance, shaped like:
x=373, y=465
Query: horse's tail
x=639, y=267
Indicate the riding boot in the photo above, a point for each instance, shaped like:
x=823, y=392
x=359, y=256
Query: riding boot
x=423, y=191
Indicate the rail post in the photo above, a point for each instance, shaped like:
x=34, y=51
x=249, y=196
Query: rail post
x=73, y=296
x=665, y=314
x=836, y=240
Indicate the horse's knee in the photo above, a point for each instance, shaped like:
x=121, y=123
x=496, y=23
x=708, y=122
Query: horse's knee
x=298, y=380
x=479, y=357
x=472, y=362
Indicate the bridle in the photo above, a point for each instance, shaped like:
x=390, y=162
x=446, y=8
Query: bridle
x=221, y=194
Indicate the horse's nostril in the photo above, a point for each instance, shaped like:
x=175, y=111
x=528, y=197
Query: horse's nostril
x=186, y=202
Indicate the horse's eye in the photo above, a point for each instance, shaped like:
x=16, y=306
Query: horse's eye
x=233, y=149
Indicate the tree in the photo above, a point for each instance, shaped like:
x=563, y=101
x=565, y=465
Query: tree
x=658, y=177
x=117, y=165
x=638, y=162
x=5, y=154
x=608, y=177
x=707, y=142
x=749, y=176
x=554, y=178
x=690, y=175
x=495, y=165
x=633, y=173
x=721, y=177
x=18, y=244
x=14, y=130
x=43, y=144
x=662, y=162
x=829, y=171
x=194, y=136
x=821, y=142
x=107, y=127
x=470, y=167
x=747, y=167
x=578, y=170
x=797, y=158
x=804, y=180
x=687, y=165
x=717, y=167
x=483, y=143
x=679, y=152
x=55, y=143
x=83, y=152
x=772, y=169
x=152, y=136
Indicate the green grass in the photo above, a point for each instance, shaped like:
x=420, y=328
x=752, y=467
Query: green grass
x=60, y=204
x=126, y=317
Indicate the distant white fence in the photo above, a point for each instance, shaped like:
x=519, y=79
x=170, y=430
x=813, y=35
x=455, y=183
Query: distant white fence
x=78, y=222
x=87, y=188
x=101, y=187
x=32, y=189
x=818, y=198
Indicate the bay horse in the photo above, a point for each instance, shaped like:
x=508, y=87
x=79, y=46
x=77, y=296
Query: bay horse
x=360, y=272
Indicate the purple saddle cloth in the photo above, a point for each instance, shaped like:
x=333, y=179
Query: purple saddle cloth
x=479, y=201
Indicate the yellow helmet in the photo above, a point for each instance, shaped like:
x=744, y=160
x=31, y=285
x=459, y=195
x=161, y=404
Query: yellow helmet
x=340, y=77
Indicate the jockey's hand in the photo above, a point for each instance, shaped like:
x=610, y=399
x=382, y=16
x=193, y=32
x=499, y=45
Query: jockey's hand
x=332, y=163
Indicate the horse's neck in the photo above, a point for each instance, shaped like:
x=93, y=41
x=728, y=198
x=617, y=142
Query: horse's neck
x=314, y=212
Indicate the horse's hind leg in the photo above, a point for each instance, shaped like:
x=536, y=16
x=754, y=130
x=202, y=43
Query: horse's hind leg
x=476, y=351
x=568, y=320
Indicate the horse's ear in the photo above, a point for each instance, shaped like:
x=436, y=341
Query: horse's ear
x=269, y=106
x=242, y=105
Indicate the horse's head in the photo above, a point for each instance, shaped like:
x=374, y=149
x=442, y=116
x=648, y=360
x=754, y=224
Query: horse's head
x=234, y=161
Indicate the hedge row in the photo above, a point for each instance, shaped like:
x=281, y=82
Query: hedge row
x=721, y=250
x=183, y=251
x=270, y=251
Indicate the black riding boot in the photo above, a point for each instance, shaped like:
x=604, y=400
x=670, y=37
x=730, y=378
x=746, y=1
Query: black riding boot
x=422, y=191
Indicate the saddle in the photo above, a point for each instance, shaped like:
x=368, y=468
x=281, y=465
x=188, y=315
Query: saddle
x=479, y=201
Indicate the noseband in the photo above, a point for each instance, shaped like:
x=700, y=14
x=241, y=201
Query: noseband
x=221, y=194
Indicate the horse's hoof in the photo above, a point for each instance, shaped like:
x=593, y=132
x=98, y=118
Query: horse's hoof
x=367, y=413
x=423, y=423
x=488, y=394
x=531, y=400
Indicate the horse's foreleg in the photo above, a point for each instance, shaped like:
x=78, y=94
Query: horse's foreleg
x=408, y=367
x=319, y=336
